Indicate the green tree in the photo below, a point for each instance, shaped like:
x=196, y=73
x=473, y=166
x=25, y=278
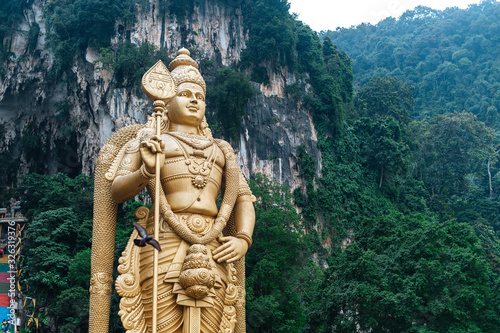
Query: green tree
x=408, y=274
x=281, y=277
x=449, y=56
x=338, y=64
x=33, y=34
x=230, y=93
x=384, y=97
x=383, y=146
x=386, y=102
x=10, y=14
x=272, y=38
x=69, y=23
x=54, y=240
x=132, y=61
x=456, y=145
x=325, y=101
x=41, y=193
x=56, y=249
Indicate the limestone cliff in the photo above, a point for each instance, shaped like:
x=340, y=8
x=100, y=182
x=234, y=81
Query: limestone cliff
x=53, y=126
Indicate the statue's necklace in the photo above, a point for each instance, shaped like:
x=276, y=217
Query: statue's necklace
x=192, y=140
x=199, y=166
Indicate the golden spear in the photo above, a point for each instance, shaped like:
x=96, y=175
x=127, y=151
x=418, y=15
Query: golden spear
x=158, y=85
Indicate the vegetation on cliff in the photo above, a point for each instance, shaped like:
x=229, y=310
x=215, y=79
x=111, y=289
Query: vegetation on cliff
x=10, y=13
x=451, y=57
x=411, y=187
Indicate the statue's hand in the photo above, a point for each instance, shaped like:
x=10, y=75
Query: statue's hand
x=232, y=249
x=149, y=148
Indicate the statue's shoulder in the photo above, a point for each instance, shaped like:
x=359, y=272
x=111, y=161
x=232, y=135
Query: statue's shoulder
x=227, y=150
x=124, y=141
x=223, y=144
x=123, y=136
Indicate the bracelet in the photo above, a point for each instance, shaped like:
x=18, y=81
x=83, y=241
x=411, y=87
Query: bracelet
x=145, y=173
x=246, y=237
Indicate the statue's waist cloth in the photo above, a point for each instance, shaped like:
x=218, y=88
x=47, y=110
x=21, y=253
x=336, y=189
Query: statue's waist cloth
x=171, y=297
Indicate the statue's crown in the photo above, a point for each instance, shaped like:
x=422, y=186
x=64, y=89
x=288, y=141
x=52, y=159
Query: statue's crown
x=184, y=69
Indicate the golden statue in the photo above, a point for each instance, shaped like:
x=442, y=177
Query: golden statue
x=196, y=282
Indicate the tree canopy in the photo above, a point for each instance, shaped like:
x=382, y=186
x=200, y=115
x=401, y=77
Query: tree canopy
x=451, y=57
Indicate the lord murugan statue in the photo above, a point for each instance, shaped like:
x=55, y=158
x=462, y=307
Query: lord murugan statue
x=196, y=283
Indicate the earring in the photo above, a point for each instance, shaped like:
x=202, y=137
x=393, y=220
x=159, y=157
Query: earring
x=204, y=129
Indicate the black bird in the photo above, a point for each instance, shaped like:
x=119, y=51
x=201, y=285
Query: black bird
x=145, y=238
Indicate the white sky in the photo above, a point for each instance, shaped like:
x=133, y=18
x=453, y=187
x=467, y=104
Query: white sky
x=330, y=14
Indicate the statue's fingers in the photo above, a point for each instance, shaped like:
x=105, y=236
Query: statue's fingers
x=224, y=252
x=224, y=238
x=227, y=257
x=152, y=147
x=146, y=145
x=157, y=146
x=233, y=259
x=220, y=248
x=156, y=138
x=218, y=252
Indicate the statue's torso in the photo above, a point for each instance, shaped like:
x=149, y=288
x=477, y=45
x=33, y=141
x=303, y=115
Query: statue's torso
x=192, y=174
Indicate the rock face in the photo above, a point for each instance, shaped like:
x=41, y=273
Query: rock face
x=216, y=31
x=272, y=129
x=60, y=126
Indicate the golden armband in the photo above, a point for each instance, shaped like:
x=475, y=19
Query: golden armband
x=244, y=192
x=245, y=236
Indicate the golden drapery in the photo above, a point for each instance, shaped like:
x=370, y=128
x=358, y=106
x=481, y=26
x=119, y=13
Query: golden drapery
x=219, y=311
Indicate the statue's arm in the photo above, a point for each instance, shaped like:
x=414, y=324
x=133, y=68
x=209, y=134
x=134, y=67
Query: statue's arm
x=244, y=218
x=136, y=169
x=244, y=212
x=236, y=247
x=126, y=187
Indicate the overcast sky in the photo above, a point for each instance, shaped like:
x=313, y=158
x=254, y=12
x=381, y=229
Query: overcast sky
x=330, y=14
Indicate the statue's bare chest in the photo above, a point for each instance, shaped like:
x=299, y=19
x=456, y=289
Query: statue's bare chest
x=195, y=161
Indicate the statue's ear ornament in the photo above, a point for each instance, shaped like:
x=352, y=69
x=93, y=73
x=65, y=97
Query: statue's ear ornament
x=158, y=84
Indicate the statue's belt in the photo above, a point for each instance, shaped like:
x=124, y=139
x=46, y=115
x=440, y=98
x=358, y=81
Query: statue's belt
x=198, y=224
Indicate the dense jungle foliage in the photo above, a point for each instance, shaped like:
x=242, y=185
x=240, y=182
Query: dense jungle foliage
x=398, y=232
x=451, y=57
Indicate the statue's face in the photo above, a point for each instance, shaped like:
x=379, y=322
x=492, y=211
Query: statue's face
x=188, y=106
